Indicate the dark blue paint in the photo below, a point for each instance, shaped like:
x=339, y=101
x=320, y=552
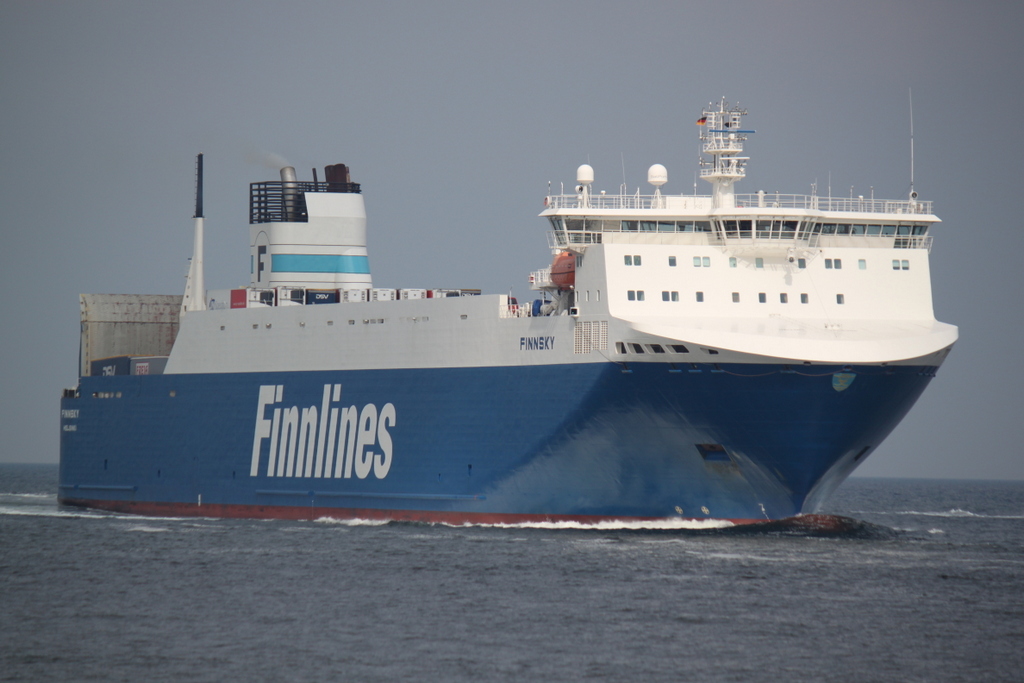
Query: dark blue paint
x=559, y=440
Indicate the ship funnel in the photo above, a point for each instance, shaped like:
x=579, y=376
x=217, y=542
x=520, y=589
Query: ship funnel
x=290, y=193
x=308, y=235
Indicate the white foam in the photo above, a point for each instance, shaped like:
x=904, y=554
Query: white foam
x=352, y=522
x=668, y=524
x=956, y=512
x=654, y=524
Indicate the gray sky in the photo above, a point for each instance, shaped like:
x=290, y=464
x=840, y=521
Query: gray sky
x=455, y=115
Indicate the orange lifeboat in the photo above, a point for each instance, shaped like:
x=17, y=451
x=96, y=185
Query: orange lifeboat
x=563, y=270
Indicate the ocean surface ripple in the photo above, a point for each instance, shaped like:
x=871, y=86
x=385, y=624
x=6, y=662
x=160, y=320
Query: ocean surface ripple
x=912, y=580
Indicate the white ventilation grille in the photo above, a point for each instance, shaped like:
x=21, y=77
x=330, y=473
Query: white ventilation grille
x=590, y=336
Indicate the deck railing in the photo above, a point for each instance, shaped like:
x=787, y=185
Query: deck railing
x=771, y=201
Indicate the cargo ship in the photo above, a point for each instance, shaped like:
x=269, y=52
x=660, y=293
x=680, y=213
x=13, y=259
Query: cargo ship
x=696, y=357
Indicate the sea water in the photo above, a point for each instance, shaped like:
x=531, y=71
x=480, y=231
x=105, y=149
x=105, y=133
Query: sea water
x=927, y=586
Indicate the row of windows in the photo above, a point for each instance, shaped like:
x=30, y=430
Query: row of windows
x=762, y=297
x=830, y=263
x=764, y=228
x=633, y=347
x=615, y=225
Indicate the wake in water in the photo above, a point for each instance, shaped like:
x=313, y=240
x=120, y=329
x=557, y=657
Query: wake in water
x=831, y=526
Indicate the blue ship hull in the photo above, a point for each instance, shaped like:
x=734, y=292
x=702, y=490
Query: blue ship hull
x=580, y=442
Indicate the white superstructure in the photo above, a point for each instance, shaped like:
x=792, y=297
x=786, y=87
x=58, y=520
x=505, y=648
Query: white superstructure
x=720, y=278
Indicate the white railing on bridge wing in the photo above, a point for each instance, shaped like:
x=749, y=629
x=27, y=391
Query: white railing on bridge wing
x=540, y=278
x=746, y=201
x=606, y=201
x=776, y=200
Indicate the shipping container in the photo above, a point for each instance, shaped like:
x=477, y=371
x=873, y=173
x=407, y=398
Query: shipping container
x=414, y=294
x=238, y=298
x=321, y=296
x=106, y=367
x=291, y=296
x=148, y=365
x=354, y=295
x=383, y=294
x=261, y=297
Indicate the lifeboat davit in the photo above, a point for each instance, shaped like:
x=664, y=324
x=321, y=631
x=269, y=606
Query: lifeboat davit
x=563, y=270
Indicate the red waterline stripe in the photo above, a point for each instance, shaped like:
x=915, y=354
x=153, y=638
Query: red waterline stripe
x=312, y=513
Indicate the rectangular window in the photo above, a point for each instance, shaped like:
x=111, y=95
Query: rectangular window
x=762, y=298
x=759, y=263
x=735, y=297
x=905, y=264
x=803, y=298
x=707, y=261
x=862, y=264
x=672, y=261
x=664, y=296
x=675, y=296
x=895, y=264
x=828, y=264
x=732, y=261
x=631, y=295
x=639, y=295
x=801, y=262
x=628, y=259
x=657, y=348
x=620, y=347
x=679, y=348
x=637, y=348
x=696, y=261
x=636, y=259
x=840, y=299
x=700, y=297
x=783, y=298
x=838, y=263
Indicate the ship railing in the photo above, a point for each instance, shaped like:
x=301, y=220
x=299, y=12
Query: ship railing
x=773, y=200
x=285, y=201
x=776, y=200
x=524, y=310
x=540, y=279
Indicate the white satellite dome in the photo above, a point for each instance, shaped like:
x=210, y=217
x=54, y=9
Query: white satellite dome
x=657, y=175
x=585, y=174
